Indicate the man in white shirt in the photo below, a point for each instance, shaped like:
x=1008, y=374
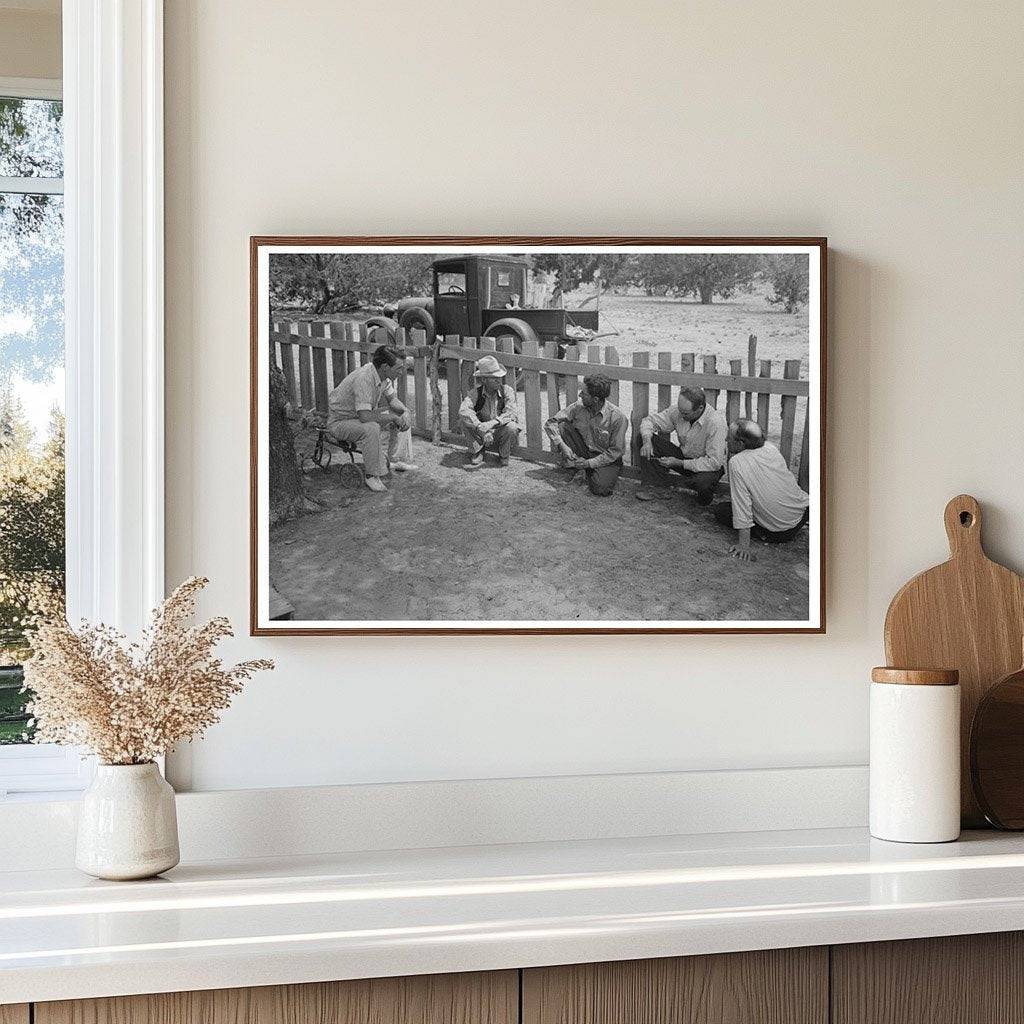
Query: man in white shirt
x=766, y=500
x=364, y=406
x=698, y=460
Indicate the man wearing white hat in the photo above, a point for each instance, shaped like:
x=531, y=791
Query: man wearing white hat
x=489, y=414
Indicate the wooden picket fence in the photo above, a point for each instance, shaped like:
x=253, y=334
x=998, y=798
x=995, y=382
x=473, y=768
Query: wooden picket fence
x=314, y=358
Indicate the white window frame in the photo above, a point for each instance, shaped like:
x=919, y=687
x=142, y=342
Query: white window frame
x=114, y=334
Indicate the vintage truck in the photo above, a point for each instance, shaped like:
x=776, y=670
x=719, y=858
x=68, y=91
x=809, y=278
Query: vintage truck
x=482, y=296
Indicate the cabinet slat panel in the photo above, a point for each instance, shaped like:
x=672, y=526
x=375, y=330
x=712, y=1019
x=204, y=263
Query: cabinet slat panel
x=779, y=986
x=478, y=998
x=14, y=1013
x=961, y=979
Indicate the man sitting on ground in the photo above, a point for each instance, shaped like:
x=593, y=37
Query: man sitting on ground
x=766, y=500
x=591, y=435
x=489, y=414
x=698, y=460
x=364, y=406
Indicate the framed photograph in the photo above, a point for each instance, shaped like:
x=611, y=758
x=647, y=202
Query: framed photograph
x=537, y=435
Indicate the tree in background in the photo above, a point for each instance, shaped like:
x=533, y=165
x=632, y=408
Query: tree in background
x=572, y=269
x=703, y=275
x=329, y=282
x=789, y=275
x=31, y=527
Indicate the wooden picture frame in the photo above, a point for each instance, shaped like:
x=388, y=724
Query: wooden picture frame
x=323, y=362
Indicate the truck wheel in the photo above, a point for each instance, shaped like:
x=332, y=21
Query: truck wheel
x=418, y=319
x=376, y=324
x=519, y=331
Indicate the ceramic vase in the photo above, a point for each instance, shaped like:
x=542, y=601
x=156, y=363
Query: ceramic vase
x=127, y=825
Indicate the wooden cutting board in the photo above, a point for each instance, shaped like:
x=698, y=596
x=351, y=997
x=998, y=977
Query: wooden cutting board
x=967, y=614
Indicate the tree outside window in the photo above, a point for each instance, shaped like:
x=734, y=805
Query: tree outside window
x=31, y=387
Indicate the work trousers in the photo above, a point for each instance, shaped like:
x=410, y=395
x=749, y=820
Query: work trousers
x=602, y=480
x=370, y=438
x=703, y=482
x=504, y=438
x=723, y=513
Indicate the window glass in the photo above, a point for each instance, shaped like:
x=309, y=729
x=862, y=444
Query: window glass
x=505, y=288
x=450, y=283
x=31, y=138
x=31, y=388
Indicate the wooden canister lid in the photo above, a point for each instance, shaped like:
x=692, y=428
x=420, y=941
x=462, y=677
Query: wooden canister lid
x=916, y=676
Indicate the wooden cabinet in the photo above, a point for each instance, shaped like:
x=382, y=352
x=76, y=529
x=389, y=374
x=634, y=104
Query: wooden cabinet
x=491, y=998
x=970, y=979
x=777, y=986
x=962, y=979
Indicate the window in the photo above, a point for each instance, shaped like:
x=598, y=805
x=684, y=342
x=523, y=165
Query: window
x=31, y=414
x=451, y=283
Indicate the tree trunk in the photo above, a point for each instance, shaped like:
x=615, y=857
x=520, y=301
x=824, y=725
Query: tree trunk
x=706, y=292
x=285, y=478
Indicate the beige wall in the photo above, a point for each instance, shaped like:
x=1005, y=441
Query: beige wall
x=30, y=43
x=895, y=129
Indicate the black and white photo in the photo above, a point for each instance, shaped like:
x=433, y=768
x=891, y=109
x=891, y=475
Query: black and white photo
x=537, y=435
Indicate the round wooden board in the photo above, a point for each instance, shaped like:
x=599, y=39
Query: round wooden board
x=997, y=752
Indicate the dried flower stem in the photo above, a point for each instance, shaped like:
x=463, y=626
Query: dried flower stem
x=129, y=703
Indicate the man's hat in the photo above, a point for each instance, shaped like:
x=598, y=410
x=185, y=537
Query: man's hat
x=488, y=367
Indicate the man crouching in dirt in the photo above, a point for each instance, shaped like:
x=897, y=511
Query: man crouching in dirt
x=489, y=414
x=365, y=406
x=591, y=434
x=766, y=500
x=698, y=461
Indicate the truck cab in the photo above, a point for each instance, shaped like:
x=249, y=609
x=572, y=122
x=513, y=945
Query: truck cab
x=471, y=292
x=475, y=296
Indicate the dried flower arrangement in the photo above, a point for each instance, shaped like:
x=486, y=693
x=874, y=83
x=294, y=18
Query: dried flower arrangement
x=130, y=703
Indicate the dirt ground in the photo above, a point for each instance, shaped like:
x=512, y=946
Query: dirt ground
x=454, y=542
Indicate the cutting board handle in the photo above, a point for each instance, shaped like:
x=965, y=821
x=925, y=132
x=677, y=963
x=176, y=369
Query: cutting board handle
x=963, y=526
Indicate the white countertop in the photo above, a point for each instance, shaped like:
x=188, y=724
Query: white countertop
x=261, y=922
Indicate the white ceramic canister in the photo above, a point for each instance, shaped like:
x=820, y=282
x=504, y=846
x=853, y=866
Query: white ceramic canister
x=127, y=825
x=915, y=755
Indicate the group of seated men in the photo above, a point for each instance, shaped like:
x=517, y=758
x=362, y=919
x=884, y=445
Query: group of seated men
x=589, y=435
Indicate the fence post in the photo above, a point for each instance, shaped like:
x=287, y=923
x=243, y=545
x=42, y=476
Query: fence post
x=641, y=389
x=732, y=398
x=305, y=372
x=512, y=375
x=321, y=387
x=454, y=381
x=572, y=381
x=403, y=381
x=804, y=473
x=664, y=390
x=364, y=345
x=764, y=398
x=435, y=389
x=751, y=368
x=352, y=356
x=419, y=370
x=336, y=332
x=687, y=362
x=791, y=371
x=288, y=362
x=611, y=358
x=711, y=394
x=551, y=352
x=531, y=395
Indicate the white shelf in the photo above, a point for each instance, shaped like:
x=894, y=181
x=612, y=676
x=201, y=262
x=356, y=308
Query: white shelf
x=352, y=915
